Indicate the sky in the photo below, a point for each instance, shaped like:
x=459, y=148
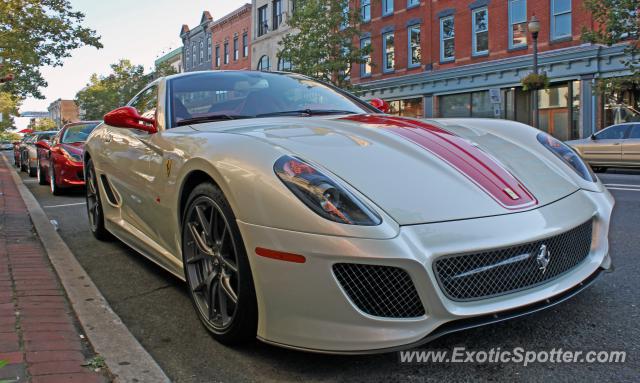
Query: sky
x=138, y=30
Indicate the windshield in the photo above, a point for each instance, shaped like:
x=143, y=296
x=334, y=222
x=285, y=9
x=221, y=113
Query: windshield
x=41, y=137
x=231, y=95
x=77, y=133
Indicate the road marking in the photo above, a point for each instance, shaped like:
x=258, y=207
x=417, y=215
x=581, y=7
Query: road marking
x=65, y=205
x=623, y=185
x=628, y=189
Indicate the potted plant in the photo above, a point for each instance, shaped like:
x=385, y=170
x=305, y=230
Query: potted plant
x=535, y=81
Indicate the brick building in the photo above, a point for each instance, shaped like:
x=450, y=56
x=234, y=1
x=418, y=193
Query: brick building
x=197, y=45
x=232, y=40
x=63, y=112
x=453, y=58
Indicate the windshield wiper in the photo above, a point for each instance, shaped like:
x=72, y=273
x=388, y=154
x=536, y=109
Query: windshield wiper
x=211, y=118
x=306, y=112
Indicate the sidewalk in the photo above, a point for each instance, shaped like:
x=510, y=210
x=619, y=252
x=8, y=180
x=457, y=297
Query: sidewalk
x=39, y=337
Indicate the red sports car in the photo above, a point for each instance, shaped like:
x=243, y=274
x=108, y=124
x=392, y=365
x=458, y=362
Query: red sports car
x=60, y=162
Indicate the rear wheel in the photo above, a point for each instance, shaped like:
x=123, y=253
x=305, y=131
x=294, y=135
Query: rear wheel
x=217, y=268
x=42, y=178
x=94, y=204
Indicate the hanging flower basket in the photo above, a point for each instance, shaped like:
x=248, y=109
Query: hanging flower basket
x=535, y=82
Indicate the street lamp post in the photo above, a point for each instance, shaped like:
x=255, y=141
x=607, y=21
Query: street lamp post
x=534, y=28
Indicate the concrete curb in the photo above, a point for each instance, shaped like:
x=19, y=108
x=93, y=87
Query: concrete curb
x=125, y=357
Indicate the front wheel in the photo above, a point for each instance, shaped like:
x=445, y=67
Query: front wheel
x=94, y=204
x=216, y=267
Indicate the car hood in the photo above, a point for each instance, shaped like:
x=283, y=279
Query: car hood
x=416, y=171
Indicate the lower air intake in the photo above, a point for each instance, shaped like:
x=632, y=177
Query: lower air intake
x=381, y=291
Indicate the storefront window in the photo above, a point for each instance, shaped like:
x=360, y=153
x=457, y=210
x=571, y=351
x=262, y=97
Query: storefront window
x=475, y=104
x=621, y=107
x=412, y=107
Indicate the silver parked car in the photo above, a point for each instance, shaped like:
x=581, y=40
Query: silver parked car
x=29, y=151
x=615, y=146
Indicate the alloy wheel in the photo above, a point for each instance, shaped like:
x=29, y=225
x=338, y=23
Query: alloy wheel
x=211, y=262
x=93, y=202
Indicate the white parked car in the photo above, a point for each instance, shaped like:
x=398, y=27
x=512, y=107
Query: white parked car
x=303, y=216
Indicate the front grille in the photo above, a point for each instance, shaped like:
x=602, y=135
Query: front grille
x=381, y=291
x=468, y=277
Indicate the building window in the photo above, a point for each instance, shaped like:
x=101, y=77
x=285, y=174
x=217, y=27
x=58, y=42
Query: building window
x=414, y=46
x=389, y=52
x=413, y=3
x=365, y=10
x=263, y=64
x=474, y=104
x=218, y=56
x=209, y=48
x=284, y=64
x=365, y=67
x=387, y=7
x=517, y=23
x=410, y=107
x=277, y=14
x=226, y=53
x=201, y=51
x=194, y=54
x=560, y=19
x=480, y=21
x=263, y=27
x=245, y=44
x=236, y=53
x=447, y=39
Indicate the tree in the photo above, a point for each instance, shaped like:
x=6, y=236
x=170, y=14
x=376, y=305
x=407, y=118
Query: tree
x=164, y=69
x=42, y=124
x=105, y=93
x=8, y=108
x=37, y=33
x=619, y=21
x=9, y=136
x=322, y=45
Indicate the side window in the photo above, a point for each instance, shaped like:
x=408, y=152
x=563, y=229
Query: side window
x=146, y=102
x=635, y=131
x=615, y=132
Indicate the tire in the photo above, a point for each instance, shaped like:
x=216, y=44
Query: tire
x=53, y=184
x=42, y=178
x=223, y=255
x=94, y=205
x=32, y=171
x=23, y=167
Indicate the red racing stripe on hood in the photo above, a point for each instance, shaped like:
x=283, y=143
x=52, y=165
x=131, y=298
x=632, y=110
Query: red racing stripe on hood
x=480, y=168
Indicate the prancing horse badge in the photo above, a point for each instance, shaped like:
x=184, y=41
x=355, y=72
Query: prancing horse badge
x=169, y=164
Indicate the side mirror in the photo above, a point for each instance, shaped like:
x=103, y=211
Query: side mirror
x=593, y=137
x=129, y=118
x=43, y=145
x=380, y=104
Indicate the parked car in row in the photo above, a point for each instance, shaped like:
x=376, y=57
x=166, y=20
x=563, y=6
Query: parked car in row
x=6, y=145
x=615, y=146
x=59, y=160
x=28, y=151
x=301, y=215
x=17, y=146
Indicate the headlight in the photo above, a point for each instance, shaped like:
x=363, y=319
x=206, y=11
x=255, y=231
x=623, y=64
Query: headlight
x=567, y=155
x=323, y=195
x=71, y=156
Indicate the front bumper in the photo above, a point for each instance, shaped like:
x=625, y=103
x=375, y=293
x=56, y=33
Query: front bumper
x=303, y=306
x=71, y=174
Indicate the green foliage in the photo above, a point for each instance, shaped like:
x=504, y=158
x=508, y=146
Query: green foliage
x=322, y=45
x=11, y=137
x=8, y=108
x=164, y=69
x=96, y=362
x=620, y=22
x=37, y=33
x=105, y=93
x=534, y=81
x=42, y=124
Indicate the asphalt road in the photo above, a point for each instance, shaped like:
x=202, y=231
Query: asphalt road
x=156, y=308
